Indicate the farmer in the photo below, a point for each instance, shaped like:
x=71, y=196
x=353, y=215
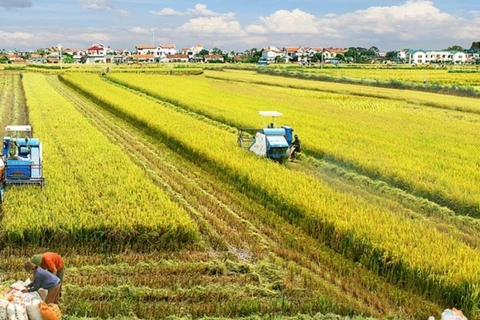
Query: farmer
x=295, y=147
x=43, y=279
x=13, y=149
x=52, y=262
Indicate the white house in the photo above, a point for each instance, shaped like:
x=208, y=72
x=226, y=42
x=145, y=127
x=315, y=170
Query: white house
x=145, y=49
x=434, y=56
x=164, y=50
x=417, y=57
x=293, y=53
x=459, y=57
x=271, y=53
x=77, y=55
x=472, y=57
x=192, y=51
x=96, y=53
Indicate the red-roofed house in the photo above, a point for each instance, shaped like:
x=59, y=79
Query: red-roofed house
x=143, y=57
x=293, y=53
x=145, y=49
x=96, y=50
x=177, y=58
x=96, y=53
x=192, y=51
x=313, y=50
x=164, y=50
x=331, y=53
x=213, y=57
x=13, y=58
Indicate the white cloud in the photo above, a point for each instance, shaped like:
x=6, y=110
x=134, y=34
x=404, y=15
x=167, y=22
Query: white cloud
x=284, y=21
x=167, y=12
x=15, y=3
x=213, y=26
x=10, y=36
x=412, y=22
x=124, y=13
x=15, y=39
x=200, y=10
x=96, y=4
x=141, y=30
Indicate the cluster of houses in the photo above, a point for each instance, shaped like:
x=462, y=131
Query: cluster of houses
x=416, y=57
x=99, y=53
x=164, y=53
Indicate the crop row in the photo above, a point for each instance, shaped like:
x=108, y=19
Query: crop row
x=440, y=76
x=94, y=195
x=423, y=150
x=409, y=252
x=415, y=97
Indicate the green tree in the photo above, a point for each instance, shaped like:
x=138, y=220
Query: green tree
x=3, y=59
x=41, y=52
x=475, y=46
x=391, y=55
x=455, y=48
x=26, y=55
x=340, y=57
x=67, y=58
x=203, y=52
x=253, y=55
x=280, y=59
x=353, y=55
x=373, y=50
x=217, y=51
x=84, y=58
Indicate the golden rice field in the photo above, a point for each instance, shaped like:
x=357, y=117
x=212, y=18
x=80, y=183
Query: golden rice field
x=451, y=75
x=117, y=211
x=426, y=150
x=448, y=75
x=373, y=234
x=159, y=213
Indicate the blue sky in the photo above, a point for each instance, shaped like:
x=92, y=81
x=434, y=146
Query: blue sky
x=239, y=25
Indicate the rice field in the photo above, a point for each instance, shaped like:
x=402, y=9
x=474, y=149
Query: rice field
x=466, y=76
x=159, y=214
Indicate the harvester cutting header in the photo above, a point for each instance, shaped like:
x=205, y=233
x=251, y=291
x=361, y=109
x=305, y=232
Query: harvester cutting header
x=271, y=141
x=21, y=160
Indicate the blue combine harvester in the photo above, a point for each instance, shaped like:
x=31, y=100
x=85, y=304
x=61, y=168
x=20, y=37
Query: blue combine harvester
x=21, y=161
x=271, y=141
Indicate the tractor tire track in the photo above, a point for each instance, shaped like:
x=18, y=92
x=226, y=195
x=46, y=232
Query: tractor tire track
x=13, y=105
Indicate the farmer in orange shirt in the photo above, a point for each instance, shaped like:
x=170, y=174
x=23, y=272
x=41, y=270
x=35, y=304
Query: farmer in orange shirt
x=52, y=262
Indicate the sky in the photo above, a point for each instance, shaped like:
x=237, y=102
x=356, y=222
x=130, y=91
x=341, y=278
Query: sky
x=239, y=25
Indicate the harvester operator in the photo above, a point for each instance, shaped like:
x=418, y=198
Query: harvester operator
x=13, y=150
x=295, y=147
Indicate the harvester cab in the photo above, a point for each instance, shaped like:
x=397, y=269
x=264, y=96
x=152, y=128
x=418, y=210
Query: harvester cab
x=271, y=141
x=21, y=158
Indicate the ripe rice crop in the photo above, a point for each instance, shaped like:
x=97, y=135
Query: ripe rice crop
x=429, y=152
x=94, y=195
x=419, y=76
x=410, y=252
